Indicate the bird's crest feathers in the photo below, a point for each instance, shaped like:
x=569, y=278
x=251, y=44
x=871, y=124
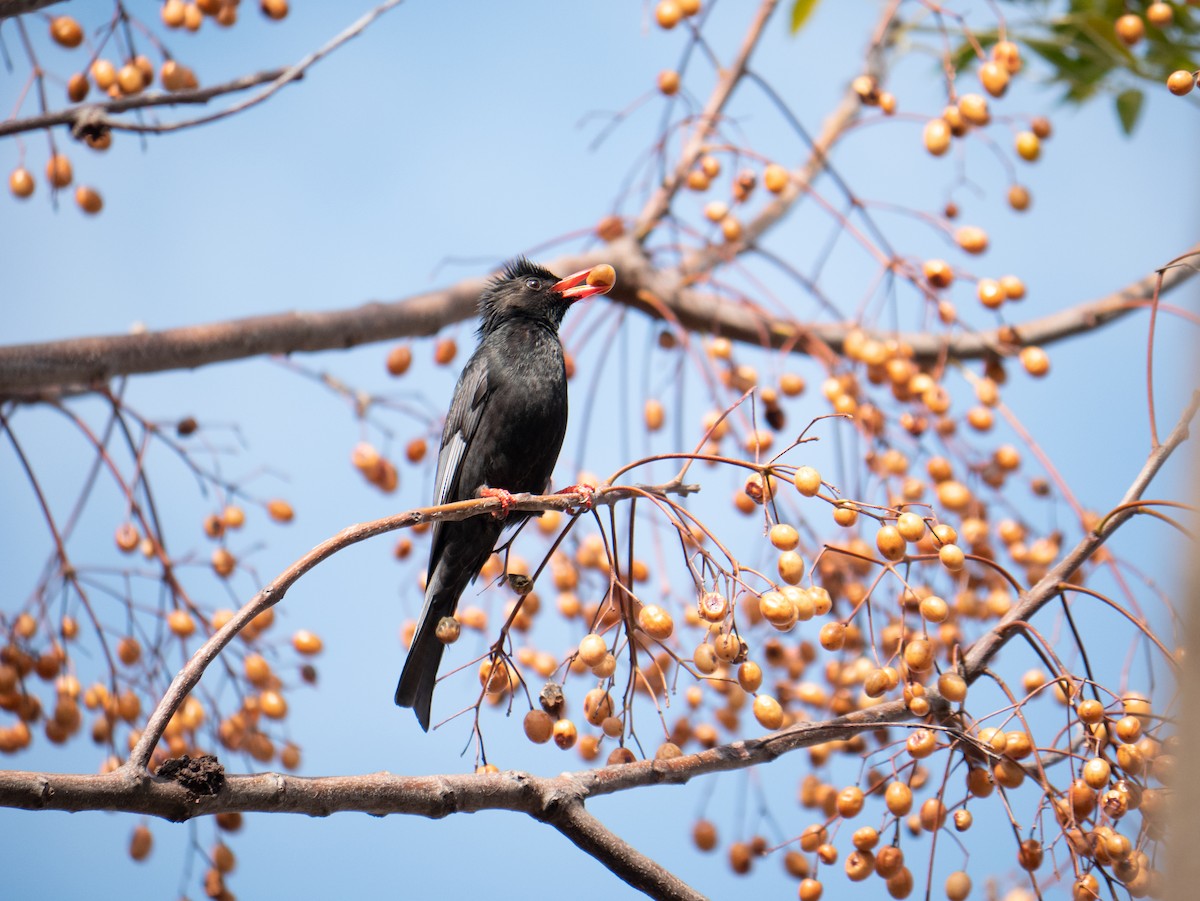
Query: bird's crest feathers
x=522, y=267
x=506, y=296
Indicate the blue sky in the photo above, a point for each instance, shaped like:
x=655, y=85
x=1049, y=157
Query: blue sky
x=428, y=149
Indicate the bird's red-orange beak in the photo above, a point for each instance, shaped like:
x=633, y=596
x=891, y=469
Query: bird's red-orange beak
x=587, y=283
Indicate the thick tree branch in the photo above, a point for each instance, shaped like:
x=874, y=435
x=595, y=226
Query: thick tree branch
x=131, y=789
x=557, y=801
x=27, y=369
x=626, y=862
x=10, y=8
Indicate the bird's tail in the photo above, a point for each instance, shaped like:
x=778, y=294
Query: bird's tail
x=419, y=675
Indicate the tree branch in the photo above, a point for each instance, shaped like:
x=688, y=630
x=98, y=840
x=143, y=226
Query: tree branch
x=660, y=202
x=27, y=369
x=626, y=862
x=556, y=801
x=98, y=116
x=10, y=8
x=132, y=789
x=271, y=594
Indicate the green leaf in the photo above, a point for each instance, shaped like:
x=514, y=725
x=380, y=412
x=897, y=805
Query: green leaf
x=1129, y=108
x=801, y=10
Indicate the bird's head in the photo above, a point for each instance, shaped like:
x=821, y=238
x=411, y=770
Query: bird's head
x=525, y=290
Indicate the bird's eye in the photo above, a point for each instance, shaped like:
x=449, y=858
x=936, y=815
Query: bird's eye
x=532, y=284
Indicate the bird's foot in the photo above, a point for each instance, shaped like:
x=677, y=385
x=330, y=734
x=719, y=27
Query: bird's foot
x=588, y=493
x=506, y=500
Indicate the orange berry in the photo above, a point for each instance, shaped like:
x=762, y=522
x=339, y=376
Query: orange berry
x=958, y=886
x=994, y=78
x=832, y=636
x=21, y=182
x=565, y=734
x=807, y=481
x=89, y=200
x=656, y=622
x=974, y=108
x=129, y=650
x=280, y=510
x=890, y=543
x=1130, y=29
x=667, y=14
x=104, y=74
x=181, y=623
x=971, y=238
x=1035, y=360
x=77, y=87
x=784, y=537
x=176, y=77
x=223, y=562
x=1181, y=82
x=952, y=557
x=130, y=79
x=1159, y=14
x=192, y=17
x=58, y=171
x=937, y=136
x=66, y=31
x=704, y=834
x=938, y=273
x=654, y=414
x=1018, y=198
x=1029, y=147
x=445, y=351
x=399, y=359
x=274, y=9
x=768, y=712
x=668, y=82
x=539, y=726
x=172, y=13
x=272, y=704
x=307, y=643
x=1008, y=55
x=141, y=842
x=991, y=295
x=898, y=798
x=775, y=178
x=1013, y=287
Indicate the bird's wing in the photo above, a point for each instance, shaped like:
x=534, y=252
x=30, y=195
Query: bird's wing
x=466, y=410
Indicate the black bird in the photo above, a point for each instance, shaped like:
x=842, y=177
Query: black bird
x=504, y=431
